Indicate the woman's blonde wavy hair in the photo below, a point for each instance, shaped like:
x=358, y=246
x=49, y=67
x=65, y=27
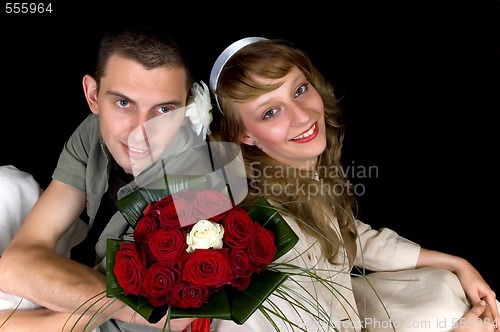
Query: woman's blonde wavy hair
x=273, y=59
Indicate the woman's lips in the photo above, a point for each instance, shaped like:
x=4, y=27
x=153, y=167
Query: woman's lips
x=307, y=136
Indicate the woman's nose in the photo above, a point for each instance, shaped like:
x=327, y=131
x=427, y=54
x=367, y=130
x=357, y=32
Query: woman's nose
x=298, y=115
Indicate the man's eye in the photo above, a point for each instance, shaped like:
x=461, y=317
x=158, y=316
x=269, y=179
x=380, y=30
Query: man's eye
x=164, y=109
x=270, y=113
x=123, y=103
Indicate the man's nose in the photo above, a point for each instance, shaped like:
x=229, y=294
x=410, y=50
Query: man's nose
x=138, y=124
x=142, y=117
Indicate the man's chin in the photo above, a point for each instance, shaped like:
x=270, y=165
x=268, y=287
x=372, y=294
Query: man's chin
x=141, y=165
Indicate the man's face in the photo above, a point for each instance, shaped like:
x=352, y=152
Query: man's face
x=140, y=111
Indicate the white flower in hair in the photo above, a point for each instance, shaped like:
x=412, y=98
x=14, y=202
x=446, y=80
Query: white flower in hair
x=199, y=108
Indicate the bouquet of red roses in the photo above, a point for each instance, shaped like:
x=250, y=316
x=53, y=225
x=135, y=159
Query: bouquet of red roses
x=195, y=254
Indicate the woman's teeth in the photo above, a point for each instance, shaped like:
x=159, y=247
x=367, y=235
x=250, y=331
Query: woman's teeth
x=306, y=134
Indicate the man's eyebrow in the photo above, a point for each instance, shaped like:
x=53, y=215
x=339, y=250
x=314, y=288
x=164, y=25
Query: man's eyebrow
x=174, y=102
x=118, y=94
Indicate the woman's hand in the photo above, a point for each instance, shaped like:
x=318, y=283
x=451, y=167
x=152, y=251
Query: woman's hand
x=476, y=288
x=478, y=319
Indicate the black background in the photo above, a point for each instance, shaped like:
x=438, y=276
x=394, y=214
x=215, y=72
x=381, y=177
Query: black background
x=419, y=84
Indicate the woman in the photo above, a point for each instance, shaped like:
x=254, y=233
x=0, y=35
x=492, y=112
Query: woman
x=284, y=115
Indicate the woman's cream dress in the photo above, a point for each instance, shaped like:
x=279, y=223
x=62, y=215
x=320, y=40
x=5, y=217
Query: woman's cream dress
x=409, y=300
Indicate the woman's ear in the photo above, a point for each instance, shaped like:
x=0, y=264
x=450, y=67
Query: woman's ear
x=90, y=91
x=246, y=139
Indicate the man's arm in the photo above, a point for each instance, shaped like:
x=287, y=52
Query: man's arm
x=30, y=266
x=33, y=270
x=44, y=320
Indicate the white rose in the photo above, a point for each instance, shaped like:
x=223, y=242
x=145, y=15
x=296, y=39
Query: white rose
x=205, y=234
x=199, y=108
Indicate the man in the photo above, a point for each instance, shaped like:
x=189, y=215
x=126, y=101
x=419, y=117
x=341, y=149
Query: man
x=137, y=98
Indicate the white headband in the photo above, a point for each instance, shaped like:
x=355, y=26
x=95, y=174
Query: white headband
x=224, y=57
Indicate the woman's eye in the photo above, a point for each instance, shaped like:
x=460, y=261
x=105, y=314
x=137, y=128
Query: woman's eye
x=270, y=113
x=300, y=90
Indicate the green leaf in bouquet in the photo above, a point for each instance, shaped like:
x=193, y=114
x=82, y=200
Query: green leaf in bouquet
x=245, y=303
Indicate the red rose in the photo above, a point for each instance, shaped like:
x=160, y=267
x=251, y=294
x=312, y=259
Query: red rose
x=150, y=211
x=154, y=209
x=262, y=248
x=207, y=267
x=168, y=217
x=181, y=215
x=158, y=283
x=210, y=204
x=128, y=269
x=241, y=283
x=145, y=226
x=242, y=268
x=240, y=263
x=238, y=227
x=185, y=295
x=167, y=246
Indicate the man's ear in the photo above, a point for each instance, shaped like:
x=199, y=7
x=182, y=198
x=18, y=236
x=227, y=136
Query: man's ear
x=90, y=91
x=246, y=139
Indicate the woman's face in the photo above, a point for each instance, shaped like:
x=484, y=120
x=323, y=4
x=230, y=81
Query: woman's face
x=288, y=123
